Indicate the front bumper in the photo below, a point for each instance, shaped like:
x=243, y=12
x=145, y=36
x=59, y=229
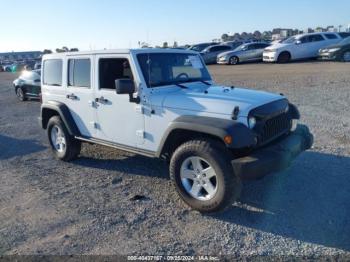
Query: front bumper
x=222, y=61
x=327, y=56
x=275, y=157
x=270, y=56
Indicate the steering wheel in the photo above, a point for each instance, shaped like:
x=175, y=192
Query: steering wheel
x=182, y=76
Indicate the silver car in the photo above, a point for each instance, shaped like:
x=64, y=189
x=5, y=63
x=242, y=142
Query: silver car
x=210, y=53
x=244, y=53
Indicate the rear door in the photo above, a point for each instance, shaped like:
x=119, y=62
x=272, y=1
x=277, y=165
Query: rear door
x=80, y=93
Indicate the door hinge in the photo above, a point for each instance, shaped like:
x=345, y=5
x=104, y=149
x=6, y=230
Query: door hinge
x=140, y=133
x=139, y=109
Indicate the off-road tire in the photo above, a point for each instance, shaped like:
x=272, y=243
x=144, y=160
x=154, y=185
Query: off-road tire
x=73, y=146
x=228, y=184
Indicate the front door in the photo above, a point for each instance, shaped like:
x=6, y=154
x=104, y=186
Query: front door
x=118, y=120
x=80, y=95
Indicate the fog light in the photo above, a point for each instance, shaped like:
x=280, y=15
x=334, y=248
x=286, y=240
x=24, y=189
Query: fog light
x=252, y=122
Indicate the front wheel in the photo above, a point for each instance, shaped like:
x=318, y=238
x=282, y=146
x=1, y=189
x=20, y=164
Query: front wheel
x=203, y=176
x=234, y=60
x=284, y=57
x=346, y=56
x=64, y=146
x=20, y=94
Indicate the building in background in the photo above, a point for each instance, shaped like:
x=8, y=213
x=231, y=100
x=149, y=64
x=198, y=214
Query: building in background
x=17, y=56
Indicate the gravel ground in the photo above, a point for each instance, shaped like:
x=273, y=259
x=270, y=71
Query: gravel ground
x=111, y=202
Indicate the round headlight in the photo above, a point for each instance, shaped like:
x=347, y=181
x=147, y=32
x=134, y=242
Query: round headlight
x=251, y=122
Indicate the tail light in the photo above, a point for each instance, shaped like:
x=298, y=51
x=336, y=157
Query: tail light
x=41, y=98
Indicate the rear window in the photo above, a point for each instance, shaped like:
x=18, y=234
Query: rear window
x=52, y=72
x=79, y=72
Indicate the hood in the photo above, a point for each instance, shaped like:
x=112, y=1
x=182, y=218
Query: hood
x=229, y=53
x=277, y=46
x=217, y=99
x=332, y=46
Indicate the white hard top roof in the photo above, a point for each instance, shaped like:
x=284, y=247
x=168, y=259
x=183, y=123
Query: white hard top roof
x=120, y=51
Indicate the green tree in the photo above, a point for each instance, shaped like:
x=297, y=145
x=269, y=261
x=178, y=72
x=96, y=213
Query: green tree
x=165, y=45
x=224, y=37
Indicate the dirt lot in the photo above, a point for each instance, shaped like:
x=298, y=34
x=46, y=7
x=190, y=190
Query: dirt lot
x=87, y=206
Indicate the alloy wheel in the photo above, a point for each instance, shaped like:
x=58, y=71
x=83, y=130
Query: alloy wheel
x=58, y=139
x=199, y=178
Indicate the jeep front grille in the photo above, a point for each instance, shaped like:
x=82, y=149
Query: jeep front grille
x=274, y=127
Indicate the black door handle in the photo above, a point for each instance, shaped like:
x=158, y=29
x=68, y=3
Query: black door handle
x=72, y=96
x=101, y=100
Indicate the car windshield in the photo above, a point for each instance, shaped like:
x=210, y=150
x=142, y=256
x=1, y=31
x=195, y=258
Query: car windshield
x=241, y=47
x=199, y=48
x=346, y=41
x=161, y=69
x=289, y=40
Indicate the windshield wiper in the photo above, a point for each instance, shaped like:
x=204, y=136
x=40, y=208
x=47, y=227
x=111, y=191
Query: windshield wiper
x=205, y=82
x=182, y=86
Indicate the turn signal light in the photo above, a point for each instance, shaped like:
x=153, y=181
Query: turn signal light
x=228, y=139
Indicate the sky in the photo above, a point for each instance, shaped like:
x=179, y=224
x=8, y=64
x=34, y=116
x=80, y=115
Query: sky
x=98, y=24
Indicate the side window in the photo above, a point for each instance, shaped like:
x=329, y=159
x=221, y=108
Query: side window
x=305, y=39
x=344, y=34
x=52, y=72
x=111, y=69
x=79, y=72
x=316, y=38
x=252, y=47
x=331, y=36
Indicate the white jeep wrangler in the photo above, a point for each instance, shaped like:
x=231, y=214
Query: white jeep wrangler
x=163, y=103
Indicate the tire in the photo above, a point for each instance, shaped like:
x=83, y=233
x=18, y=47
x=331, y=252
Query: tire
x=20, y=94
x=234, y=60
x=63, y=145
x=284, y=57
x=346, y=56
x=193, y=185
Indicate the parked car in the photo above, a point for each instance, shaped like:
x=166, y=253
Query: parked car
x=1, y=68
x=339, y=52
x=299, y=47
x=234, y=44
x=200, y=47
x=27, y=85
x=164, y=104
x=244, y=53
x=210, y=53
x=37, y=66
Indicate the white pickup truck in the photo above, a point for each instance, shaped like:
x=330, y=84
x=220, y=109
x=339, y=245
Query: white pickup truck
x=164, y=104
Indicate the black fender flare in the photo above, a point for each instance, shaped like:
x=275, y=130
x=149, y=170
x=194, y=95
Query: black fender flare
x=63, y=111
x=242, y=136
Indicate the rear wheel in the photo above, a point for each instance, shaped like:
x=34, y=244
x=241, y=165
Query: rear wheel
x=20, y=94
x=284, y=57
x=234, y=60
x=203, y=176
x=64, y=146
x=346, y=56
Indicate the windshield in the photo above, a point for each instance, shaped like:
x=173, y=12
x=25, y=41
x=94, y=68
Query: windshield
x=161, y=69
x=241, y=47
x=289, y=40
x=346, y=41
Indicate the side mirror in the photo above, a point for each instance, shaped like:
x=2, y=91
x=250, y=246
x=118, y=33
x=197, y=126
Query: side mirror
x=124, y=86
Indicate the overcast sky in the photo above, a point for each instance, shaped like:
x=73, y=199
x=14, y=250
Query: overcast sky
x=89, y=24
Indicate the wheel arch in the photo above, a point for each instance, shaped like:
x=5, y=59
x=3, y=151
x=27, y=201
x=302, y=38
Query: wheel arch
x=54, y=108
x=187, y=128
